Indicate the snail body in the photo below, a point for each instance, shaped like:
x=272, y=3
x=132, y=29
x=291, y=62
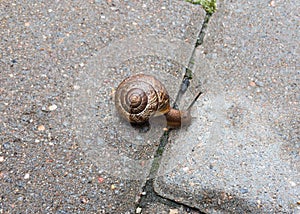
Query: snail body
x=140, y=97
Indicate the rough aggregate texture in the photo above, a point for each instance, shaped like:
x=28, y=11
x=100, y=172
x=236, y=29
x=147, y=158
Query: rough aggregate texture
x=45, y=46
x=241, y=154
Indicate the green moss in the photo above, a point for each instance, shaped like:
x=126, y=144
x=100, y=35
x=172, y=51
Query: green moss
x=188, y=72
x=210, y=6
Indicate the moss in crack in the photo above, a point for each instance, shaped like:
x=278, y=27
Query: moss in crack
x=188, y=72
x=151, y=196
x=210, y=6
x=163, y=141
x=202, y=33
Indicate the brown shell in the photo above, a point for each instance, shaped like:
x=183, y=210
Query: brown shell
x=140, y=97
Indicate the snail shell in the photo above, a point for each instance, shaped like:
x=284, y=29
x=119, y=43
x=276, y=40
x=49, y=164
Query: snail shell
x=140, y=97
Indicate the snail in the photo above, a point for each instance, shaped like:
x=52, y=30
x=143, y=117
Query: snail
x=141, y=96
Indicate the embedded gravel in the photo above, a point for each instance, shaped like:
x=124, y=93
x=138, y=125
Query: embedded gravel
x=241, y=154
x=45, y=48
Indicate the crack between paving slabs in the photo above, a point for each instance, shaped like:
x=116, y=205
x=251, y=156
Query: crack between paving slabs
x=150, y=195
x=188, y=70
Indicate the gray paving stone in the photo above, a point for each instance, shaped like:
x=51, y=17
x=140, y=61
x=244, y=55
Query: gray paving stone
x=46, y=48
x=111, y=143
x=241, y=153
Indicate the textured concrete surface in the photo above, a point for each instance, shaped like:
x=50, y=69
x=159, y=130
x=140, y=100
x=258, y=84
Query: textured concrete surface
x=112, y=143
x=241, y=154
x=47, y=50
x=156, y=207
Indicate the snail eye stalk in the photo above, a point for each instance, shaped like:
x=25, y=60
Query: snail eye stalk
x=194, y=100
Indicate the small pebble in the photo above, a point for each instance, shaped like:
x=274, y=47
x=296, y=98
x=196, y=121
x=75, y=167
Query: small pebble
x=272, y=3
x=26, y=176
x=76, y=87
x=41, y=128
x=112, y=187
x=138, y=210
x=259, y=83
x=244, y=191
x=100, y=180
x=52, y=107
x=185, y=169
x=114, y=8
x=292, y=183
x=84, y=200
x=173, y=211
x=1, y=159
x=6, y=145
x=252, y=84
x=144, y=193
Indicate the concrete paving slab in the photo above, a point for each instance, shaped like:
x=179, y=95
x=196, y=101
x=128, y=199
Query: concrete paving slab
x=112, y=143
x=161, y=208
x=241, y=154
x=45, y=48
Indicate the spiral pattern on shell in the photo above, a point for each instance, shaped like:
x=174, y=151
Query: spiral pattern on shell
x=140, y=97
